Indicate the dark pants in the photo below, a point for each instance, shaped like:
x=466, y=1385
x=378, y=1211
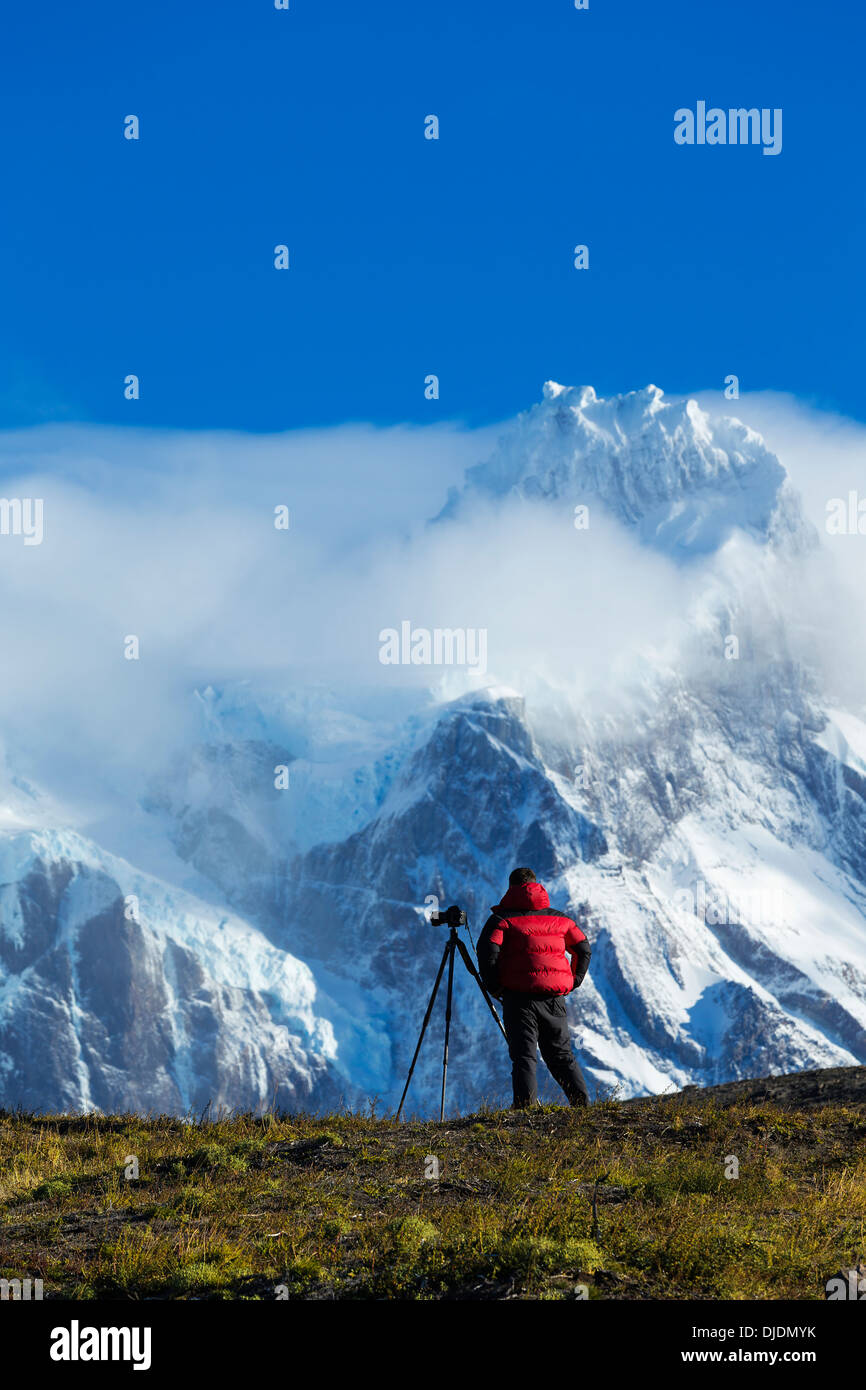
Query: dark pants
x=540, y=1022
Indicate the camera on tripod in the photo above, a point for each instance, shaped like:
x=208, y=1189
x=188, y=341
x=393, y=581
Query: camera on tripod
x=454, y=917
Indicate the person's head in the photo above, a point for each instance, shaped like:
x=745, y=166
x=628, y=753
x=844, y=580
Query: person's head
x=519, y=876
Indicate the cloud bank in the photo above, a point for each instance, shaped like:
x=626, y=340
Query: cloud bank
x=170, y=538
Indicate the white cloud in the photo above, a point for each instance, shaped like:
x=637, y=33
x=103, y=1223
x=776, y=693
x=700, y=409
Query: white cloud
x=170, y=537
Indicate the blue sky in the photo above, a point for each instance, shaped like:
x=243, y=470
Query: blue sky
x=412, y=256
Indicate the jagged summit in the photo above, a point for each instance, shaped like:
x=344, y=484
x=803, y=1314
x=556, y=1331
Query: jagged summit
x=683, y=479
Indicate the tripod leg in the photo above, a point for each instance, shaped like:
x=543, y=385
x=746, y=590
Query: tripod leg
x=424, y=1027
x=450, y=949
x=467, y=961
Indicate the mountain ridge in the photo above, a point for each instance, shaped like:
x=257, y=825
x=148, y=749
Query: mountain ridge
x=706, y=818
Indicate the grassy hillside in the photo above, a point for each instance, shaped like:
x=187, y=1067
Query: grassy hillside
x=341, y=1207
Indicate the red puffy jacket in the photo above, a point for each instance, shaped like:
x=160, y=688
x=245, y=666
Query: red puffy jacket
x=526, y=952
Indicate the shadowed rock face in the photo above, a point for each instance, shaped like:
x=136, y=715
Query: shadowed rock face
x=106, y=1015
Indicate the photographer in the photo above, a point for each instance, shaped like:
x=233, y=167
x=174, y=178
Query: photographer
x=523, y=962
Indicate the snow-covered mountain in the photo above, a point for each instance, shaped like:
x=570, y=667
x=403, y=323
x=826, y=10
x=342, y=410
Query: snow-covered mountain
x=682, y=481
x=232, y=942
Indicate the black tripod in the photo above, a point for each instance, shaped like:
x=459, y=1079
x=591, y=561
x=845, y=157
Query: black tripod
x=453, y=918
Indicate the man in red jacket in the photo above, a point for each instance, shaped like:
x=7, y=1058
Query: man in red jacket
x=523, y=962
